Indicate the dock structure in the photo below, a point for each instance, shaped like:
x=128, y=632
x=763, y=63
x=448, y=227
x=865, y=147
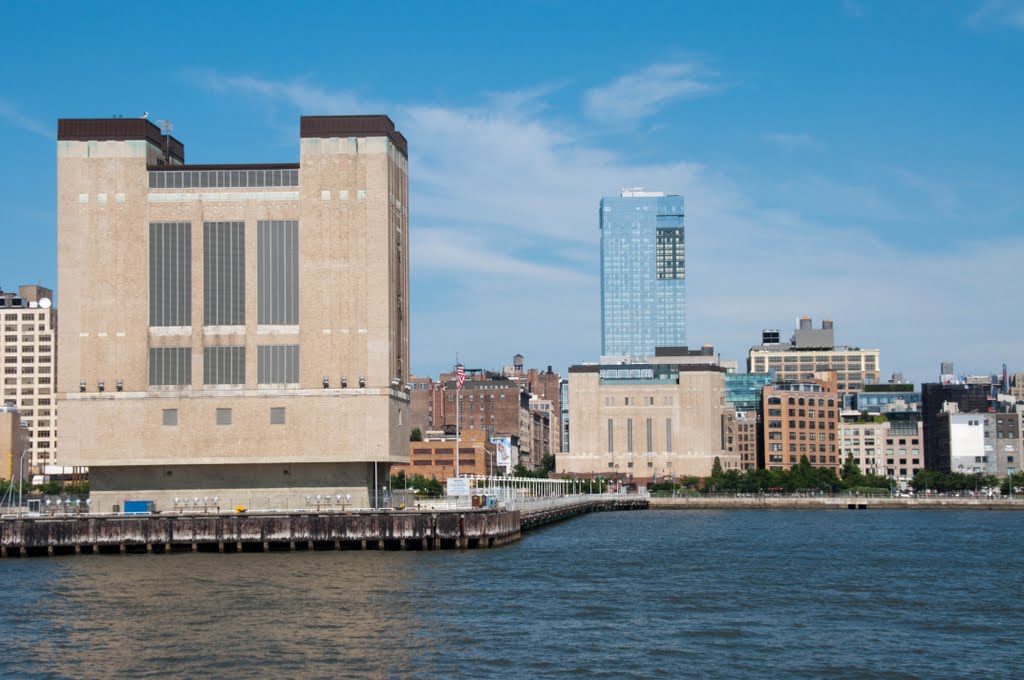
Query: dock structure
x=294, y=530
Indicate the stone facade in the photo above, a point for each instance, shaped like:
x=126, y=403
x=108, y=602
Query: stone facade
x=641, y=430
x=333, y=418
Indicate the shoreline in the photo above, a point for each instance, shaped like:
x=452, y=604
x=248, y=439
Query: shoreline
x=832, y=503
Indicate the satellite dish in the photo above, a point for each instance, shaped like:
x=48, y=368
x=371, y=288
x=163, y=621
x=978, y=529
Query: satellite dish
x=45, y=302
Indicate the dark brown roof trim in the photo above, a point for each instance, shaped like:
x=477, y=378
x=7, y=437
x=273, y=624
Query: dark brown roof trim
x=236, y=166
x=353, y=126
x=118, y=129
x=585, y=369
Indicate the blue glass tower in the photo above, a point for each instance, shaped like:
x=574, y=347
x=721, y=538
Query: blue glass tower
x=643, y=277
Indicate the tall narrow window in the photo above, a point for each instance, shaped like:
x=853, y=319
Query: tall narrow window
x=277, y=253
x=629, y=435
x=170, y=274
x=611, y=436
x=668, y=435
x=224, y=365
x=224, y=273
x=650, y=434
x=277, y=364
x=170, y=366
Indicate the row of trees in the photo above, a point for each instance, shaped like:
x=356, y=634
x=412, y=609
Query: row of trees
x=805, y=477
x=801, y=477
x=956, y=482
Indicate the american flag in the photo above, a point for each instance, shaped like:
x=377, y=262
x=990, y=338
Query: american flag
x=460, y=377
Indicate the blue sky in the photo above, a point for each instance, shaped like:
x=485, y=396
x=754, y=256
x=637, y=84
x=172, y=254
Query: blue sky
x=854, y=160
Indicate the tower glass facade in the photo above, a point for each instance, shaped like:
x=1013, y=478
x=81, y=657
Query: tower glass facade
x=643, y=274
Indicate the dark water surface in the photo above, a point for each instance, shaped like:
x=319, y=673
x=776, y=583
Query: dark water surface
x=656, y=594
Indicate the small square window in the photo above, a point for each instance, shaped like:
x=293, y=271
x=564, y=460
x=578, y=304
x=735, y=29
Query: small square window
x=223, y=416
x=170, y=416
x=277, y=415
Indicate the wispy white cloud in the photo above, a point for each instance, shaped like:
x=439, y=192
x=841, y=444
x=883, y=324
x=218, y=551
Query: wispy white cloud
x=311, y=99
x=12, y=115
x=998, y=13
x=504, y=246
x=793, y=141
x=642, y=93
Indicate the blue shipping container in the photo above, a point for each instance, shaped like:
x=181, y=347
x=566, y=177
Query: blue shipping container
x=138, y=507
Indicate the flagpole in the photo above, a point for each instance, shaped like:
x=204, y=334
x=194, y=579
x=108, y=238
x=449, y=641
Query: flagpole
x=458, y=410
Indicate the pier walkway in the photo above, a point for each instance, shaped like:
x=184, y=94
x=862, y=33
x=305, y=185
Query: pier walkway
x=414, y=529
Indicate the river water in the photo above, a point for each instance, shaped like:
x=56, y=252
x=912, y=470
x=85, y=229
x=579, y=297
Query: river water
x=655, y=594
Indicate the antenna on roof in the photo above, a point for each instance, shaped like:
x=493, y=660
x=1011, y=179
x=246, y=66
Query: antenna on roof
x=166, y=126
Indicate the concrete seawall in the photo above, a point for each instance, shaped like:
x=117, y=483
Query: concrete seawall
x=831, y=503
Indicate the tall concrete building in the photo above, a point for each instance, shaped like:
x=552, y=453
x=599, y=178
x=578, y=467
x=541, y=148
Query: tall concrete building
x=643, y=273
x=30, y=371
x=644, y=422
x=233, y=330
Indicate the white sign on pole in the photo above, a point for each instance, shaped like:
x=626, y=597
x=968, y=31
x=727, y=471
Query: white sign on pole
x=458, y=486
x=503, y=452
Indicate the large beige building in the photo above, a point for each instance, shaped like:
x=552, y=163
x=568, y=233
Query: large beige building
x=647, y=422
x=813, y=350
x=233, y=330
x=30, y=372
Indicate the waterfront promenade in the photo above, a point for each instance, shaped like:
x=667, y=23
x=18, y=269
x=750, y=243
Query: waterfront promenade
x=444, y=527
x=830, y=502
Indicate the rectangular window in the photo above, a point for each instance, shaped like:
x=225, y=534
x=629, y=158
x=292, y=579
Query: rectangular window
x=170, y=365
x=650, y=434
x=224, y=365
x=277, y=274
x=277, y=364
x=170, y=416
x=611, y=436
x=668, y=435
x=223, y=416
x=277, y=415
x=669, y=252
x=170, y=274
x=629, y=435
x=224, y=273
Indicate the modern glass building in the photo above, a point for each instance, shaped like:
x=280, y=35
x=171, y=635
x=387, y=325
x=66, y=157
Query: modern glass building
x=743, y=390
x=643, y=275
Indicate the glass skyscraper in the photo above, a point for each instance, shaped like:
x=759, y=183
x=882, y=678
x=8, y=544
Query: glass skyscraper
x=643, y=277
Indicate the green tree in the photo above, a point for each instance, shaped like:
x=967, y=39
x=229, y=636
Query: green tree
x=851, y=474
x=716, y=468
x=416, y=435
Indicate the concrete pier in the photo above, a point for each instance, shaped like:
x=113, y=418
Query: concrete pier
x=250, y=532
x=295, y=531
